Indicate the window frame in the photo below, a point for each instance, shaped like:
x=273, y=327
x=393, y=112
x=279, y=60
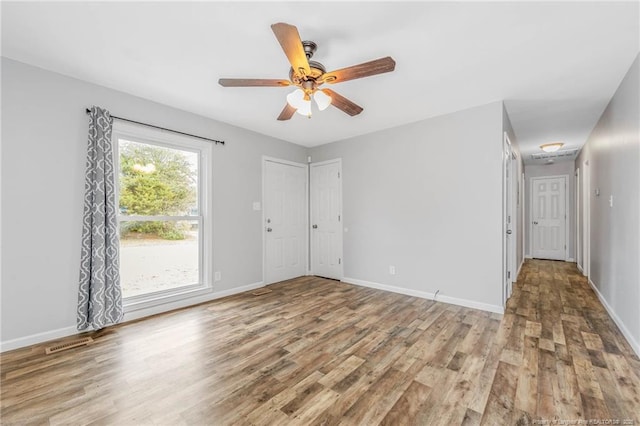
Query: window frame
x=203, y=150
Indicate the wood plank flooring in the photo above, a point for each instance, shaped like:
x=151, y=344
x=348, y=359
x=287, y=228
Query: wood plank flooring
x=321, y=352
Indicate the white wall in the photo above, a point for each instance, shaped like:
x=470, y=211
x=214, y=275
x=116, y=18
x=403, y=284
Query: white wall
x=44, y=136
x=553, y=169
x=613, y=153
x=426, y=197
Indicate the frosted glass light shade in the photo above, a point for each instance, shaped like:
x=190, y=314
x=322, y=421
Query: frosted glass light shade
x=322, y=100
x=551, y=147
x=295, y=98
x=304, y=108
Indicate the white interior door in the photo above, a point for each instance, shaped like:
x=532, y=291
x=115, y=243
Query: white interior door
x=326, y=219
x=285, y=220
x=548, y=217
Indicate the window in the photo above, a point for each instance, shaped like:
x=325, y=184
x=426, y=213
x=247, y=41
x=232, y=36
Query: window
x=163, y=214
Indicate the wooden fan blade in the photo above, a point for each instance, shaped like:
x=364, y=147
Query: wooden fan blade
x=252, y=82
x=343, y=103
x=286, y=113
x=377, y=66
x=289, y=39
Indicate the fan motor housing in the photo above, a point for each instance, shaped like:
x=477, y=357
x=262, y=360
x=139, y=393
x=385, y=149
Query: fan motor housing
x=317, y=69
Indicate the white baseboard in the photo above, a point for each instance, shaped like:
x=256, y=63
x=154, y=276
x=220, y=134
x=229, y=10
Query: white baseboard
x=625, y=331
x=129, y=316
x=470, y=304
x=426, y=295
x=393, y=289
x=580, y=268
x=571, y=259
x=33, y=339
x=519, y=269
x=528, y=256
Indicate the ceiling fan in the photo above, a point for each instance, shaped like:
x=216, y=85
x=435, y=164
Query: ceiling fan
x=308, y=76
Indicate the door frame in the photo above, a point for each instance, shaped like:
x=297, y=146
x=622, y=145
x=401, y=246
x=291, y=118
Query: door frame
x=508, y=240
x=523, y=215
x=263, y=226
x=578, y=247
x=566, y=212
x=586, y=220
x=341, y=236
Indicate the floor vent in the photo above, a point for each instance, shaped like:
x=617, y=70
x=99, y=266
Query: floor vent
x=261, y=291
x=68, y=345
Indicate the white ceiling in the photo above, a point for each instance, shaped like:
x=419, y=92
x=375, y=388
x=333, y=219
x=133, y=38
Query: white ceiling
x=556, y=65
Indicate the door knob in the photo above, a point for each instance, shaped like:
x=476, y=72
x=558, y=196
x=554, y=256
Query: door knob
x=269, y=229
x=315, y=226
x=535, y=223
x=509, y=231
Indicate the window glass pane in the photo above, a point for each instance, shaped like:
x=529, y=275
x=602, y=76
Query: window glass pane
x=157, y=181
x=159, y=255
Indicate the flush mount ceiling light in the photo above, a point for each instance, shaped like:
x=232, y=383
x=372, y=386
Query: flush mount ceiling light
x=551, y=147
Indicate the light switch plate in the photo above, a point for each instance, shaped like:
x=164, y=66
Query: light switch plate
x=256, y=205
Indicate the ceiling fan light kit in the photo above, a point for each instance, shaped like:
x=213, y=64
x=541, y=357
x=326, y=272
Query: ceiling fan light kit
x=308, y=76
x=301, y=101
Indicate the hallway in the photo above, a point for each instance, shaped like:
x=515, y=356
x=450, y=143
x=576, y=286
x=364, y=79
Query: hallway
x=562, y=355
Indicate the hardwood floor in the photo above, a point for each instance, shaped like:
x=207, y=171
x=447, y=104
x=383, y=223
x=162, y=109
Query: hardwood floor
x=316, y=351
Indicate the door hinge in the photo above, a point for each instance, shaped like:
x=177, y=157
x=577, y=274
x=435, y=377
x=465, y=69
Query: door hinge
x=338, y=218
x=339, y=261
x=509, y=274
x=338, y=175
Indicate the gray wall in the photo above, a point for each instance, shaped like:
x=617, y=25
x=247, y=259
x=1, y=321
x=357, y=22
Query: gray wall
x=613, y=153
x=44, y=136
x=407, y=204
x=405, y=201
x=554, y=169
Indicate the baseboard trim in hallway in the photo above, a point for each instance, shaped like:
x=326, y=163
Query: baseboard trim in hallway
x=635, y=345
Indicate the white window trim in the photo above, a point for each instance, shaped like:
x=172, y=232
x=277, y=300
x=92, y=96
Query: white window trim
x=204, y=150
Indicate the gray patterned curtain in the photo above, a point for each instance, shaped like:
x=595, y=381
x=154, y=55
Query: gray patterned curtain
x=100, y=296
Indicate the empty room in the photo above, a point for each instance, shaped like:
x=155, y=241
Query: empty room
x=320, y=213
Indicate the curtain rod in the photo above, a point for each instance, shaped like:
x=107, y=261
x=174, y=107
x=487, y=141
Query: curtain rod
x=163, y=128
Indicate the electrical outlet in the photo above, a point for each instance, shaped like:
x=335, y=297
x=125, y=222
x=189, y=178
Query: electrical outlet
x=392, y=270
x=217, y=276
